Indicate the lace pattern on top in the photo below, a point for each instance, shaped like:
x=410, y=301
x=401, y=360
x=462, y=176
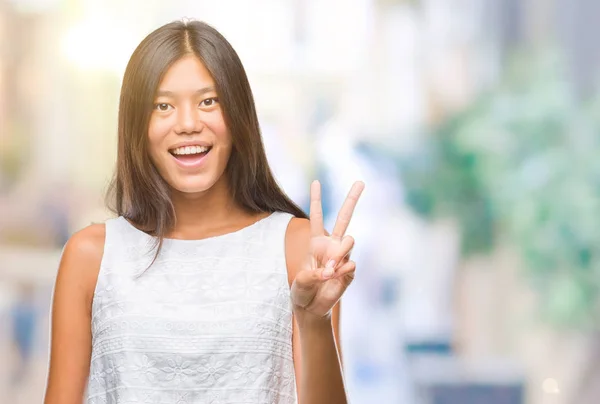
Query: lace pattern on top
x=209, y=322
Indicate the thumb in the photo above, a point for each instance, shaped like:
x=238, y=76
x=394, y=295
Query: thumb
x=337, y=253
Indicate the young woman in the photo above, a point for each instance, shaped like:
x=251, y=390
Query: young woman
x=211, y=285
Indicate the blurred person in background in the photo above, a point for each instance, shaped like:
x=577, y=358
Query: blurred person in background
x=211, y=285
x=24, y=318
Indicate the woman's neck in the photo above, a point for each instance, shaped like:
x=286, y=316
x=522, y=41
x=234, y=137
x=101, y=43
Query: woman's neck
x=208, y=214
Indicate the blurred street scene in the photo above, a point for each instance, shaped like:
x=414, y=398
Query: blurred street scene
x=474, y=123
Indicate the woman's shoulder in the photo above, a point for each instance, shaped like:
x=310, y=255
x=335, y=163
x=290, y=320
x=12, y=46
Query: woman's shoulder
x=87, y=243
x=81, y=258
x=299, y=228
x=297, y=243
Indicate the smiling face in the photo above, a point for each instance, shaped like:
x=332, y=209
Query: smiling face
x=189, y=142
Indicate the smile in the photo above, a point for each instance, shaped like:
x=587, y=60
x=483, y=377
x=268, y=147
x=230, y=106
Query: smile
x=190, y=156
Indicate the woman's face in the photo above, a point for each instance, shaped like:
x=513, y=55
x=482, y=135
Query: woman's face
x=188, y=141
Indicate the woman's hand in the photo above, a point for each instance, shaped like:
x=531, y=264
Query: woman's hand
x=327, y=270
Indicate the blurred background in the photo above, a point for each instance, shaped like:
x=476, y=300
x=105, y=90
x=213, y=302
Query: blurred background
x=474, y=123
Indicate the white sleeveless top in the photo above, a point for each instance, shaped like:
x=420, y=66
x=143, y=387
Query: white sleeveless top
x=209, y=322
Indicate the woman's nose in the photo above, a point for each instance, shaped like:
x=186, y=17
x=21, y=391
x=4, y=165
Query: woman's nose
x=188, y=121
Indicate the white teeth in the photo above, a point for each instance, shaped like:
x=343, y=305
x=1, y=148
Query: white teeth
x=190, y=150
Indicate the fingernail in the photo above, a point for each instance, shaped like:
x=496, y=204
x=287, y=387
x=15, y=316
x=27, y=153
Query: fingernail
x=327, y=273
x=330, y=264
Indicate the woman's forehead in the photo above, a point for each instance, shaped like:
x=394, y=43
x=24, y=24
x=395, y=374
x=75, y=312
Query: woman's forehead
x=188, y=75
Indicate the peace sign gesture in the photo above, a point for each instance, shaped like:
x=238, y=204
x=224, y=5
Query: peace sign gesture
x=327, y=271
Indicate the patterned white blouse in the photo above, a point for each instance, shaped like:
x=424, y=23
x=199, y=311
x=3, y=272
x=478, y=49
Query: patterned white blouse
x=209, y=322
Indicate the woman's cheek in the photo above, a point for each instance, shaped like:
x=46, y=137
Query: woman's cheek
x=160, y=127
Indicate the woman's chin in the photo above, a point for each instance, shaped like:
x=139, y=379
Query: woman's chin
x=192, y=185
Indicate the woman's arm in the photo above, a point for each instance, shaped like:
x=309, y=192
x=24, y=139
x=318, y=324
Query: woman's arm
x=317, y=358
x=71, y=340
x=335, y=320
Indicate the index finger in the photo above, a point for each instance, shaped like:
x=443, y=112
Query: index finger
x=345, y=214
x=316, y=210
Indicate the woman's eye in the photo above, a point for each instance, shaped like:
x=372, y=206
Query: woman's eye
x=209, y=102
x=162, y=107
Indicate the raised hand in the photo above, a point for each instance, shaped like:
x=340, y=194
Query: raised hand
x=327, y=271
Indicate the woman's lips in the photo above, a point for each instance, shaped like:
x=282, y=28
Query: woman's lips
x=191, y=160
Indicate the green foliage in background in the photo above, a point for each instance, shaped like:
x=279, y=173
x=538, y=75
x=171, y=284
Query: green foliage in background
x=523, y=164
